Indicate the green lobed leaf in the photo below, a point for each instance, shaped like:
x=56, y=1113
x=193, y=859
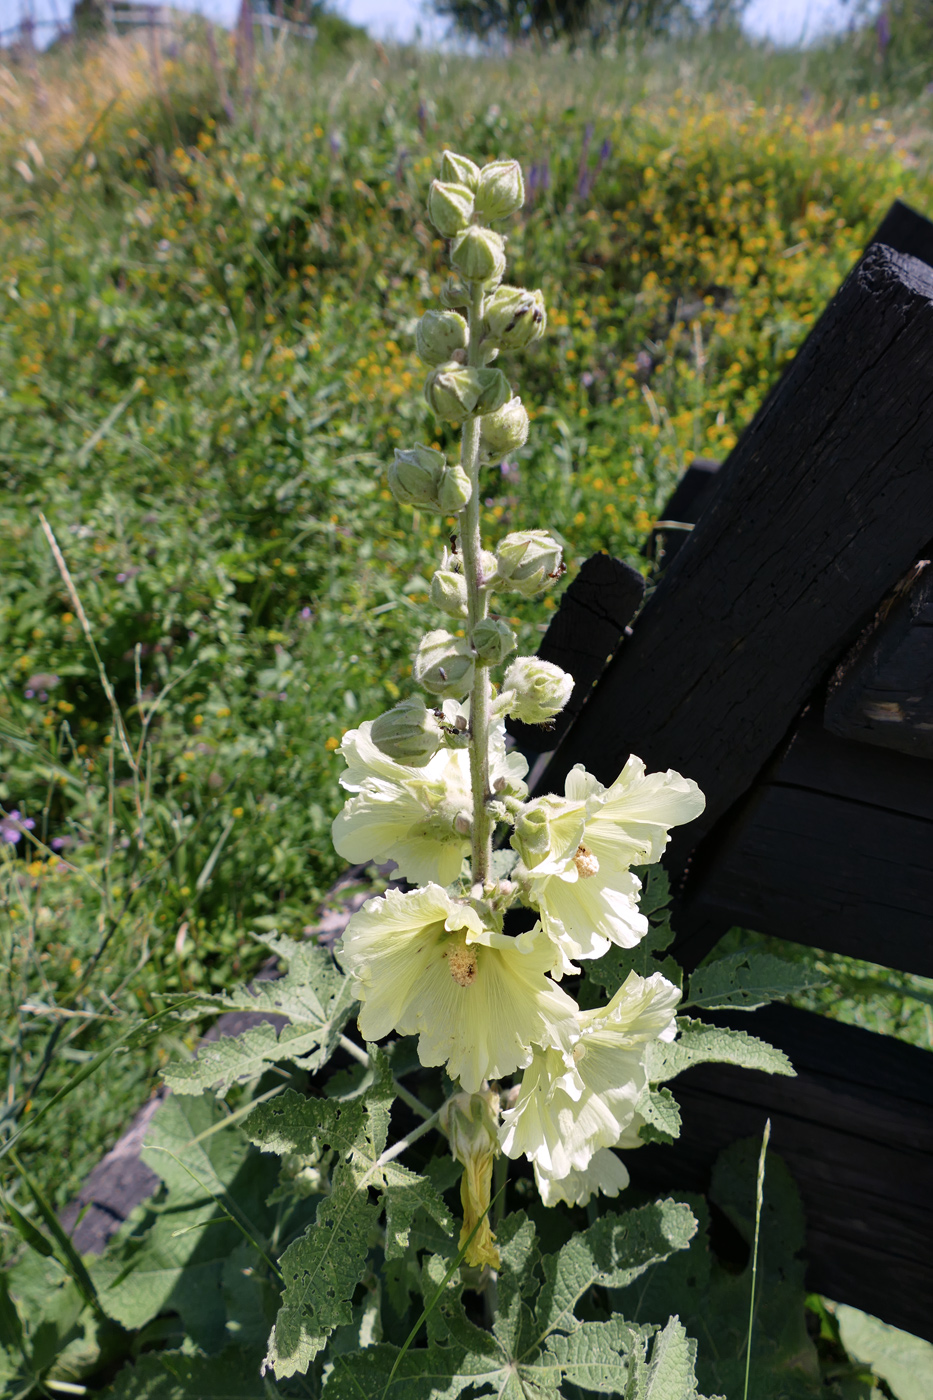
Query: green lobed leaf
x=324, y=1266
x=711, y=1298
x=670, y=1373
x=613, y=1252
x=176, y=1375
x=699, y=1043
x=170, y=1256
x=595, y=1355
x=745, y=981
x=314, y=995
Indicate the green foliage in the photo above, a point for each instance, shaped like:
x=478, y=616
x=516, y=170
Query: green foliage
x=537, y=1340
x=711, y=1297
x=745, y=981
x=313, y=994
x=698, y=1043
x=322, y=1269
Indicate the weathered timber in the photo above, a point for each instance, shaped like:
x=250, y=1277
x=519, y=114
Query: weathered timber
x=834, y=848
x=583, y=634
x=822, y=506
x=882, y=692
x=906, y=231
x=856, y=1129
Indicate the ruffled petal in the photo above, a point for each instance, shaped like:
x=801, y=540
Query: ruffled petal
x=604, y=1173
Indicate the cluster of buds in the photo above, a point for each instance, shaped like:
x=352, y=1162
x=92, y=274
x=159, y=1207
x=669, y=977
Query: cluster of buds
x=432, y=779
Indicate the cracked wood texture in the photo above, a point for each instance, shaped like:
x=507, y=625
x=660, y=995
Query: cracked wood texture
x=583, y=634
x=882, y=692
x=856, y=1129
x=822, y=506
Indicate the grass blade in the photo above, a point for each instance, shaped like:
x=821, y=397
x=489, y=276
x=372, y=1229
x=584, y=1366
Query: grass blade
x=759, y=1201
x=65, y=1251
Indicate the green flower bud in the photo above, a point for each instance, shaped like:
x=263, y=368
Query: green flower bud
x=454, y=293
x=513, y=318
x=421, y=476
x=443, y=665
x=455, y=391
x=540, y=690
x=504, y=431
x=439, y=334
x=527, y=561
x=493, y=640
x=454, y=490
x=450, y=207
x=409, y=733
x=548, y=827
x=501, y=190
x=478, y=254
x=459, y=170
x=449, y=592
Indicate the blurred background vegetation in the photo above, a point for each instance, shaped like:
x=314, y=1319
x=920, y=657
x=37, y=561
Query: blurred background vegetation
x=212, y=256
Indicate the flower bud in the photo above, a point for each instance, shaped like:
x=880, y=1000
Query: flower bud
x=421, y=476
x=513, y=318
x=478, y=254
x=471, y=1122
x=549, y=828
x=493, y=640
x=527, y=561
x=540, y=690
x=455, y=391
x=459, y=170
x=449, y=592
x=443, y=665
x=409, y=733
x=454, y=293
x=504, y=431
x=501, y=190
x=450, y=207
x=439, y=334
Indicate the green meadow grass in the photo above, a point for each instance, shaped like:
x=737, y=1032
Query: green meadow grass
x=209, y=283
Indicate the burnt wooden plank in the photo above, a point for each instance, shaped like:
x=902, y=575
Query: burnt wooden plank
x=833, y=848
x=882, y=692
x=906, y=231
x=824, y=503
x=690, y=496
x=583, y=634
x=856, y=1129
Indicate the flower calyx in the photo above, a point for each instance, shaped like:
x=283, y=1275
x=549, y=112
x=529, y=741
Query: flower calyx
x=513, y=318
x=450, y=207
x=422, y=477
x=501, y=190
x=527, y=562
x=534, y=691
x=454, y=392
x=478, y=255
x=504, y=431
x=440, y=336
x=443, y=665
x=409, y=732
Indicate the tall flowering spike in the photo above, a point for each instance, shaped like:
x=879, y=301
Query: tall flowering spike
x=571, y=1105
x=479, y=1001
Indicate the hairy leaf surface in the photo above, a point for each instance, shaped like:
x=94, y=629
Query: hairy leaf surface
x=324, y=1266
x=314, y=995
x=745, y=981
x=698, y=1043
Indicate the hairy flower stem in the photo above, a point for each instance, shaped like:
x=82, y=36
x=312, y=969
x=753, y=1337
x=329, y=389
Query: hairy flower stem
x=471, y=547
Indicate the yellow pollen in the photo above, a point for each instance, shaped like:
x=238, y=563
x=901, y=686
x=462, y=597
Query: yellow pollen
x=462, y=964
x=586, y=863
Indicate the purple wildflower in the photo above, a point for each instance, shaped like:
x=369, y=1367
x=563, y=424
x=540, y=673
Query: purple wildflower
x=883, y=27
x=13, y=825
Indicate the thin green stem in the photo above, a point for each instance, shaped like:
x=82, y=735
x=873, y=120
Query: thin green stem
x=477, y=604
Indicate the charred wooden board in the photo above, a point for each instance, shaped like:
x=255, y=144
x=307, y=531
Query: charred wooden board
x=690, y=497
x=882, y=692
x=824, y=503
x=834, y=848
x=855, y=1127
x=583, y=634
